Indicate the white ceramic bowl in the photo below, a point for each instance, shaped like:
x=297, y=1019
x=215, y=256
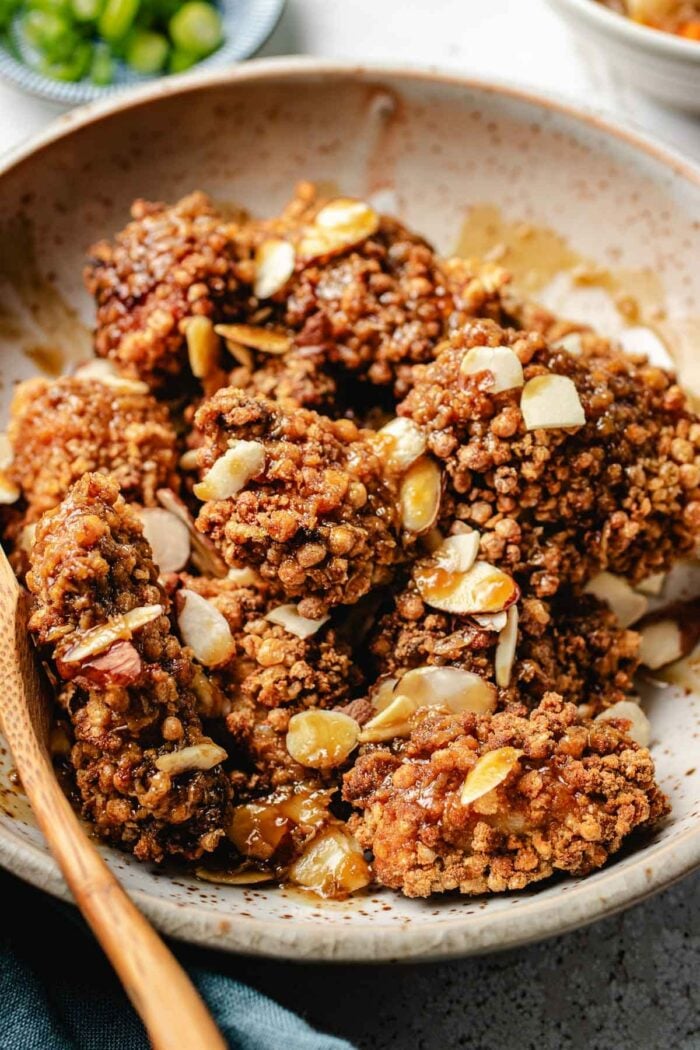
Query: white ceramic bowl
x=662, y=65
x=432, y=146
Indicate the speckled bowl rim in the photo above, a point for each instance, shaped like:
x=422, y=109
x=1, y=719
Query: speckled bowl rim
x=645, y=38
x=656, y=866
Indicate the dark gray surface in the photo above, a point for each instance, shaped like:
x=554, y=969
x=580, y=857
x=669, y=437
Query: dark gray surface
x=628, y=983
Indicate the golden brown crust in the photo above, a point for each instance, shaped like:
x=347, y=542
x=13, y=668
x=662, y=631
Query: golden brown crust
x=61, y=429
x=168, y=264
x=89, y=564
x=577, y=790
x=320, y=520
x=555, y=506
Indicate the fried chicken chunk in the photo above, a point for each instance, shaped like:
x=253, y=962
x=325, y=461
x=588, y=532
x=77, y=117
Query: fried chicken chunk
x=61, y=429
x=317, y=518
x=167, y=265
x=543, y=794
x=621, y=492
x=148, y=778
x=571, y=645
x=271, y=676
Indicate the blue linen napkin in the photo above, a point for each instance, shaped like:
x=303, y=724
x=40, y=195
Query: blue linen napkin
x=57, y=992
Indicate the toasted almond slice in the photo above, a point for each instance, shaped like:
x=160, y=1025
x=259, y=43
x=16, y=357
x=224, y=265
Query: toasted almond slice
x=640, y=727
x=204, y=629
x=118, y=628
x=503, y=364
x=234, y=878
x=103, y=371
x=189, y=460
x=26, y=537
x=168, y=536
x=121, y=664
x=265, y=340
x=241, y=353
x=450, y=687
x=571, y=343
x=661, y=643
x=401, y=442
x=419, y=495
x=203, y=346
x=274, y=265
x=290, y=618
x=505, y=650
x=332, y=865
x=204, y=755
x=459, y=552
x=9, y=492
x=204, y=555
x=490, y=771
x=491, y=621
x=392, y=721
x=6, y=452
x=383, y=693
x=551, y=401
x=321, y=739
x=232, y=471
x=243, y=576
x=652, y=585
x=483, y=589
x=340, y=224
x=627, y=604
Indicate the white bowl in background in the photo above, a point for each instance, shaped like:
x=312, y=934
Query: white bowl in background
x=662, y=65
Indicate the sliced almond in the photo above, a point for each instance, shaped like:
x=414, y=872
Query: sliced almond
x=204, y=755
x=661, y=643
x=241, y=353
x=490, y=771
x=640, y=727
x=266, y=340
x=243, y=576
x=290, y=618
x=505, y=650
x=339, y=225
x=103, y=371
x=234, y=878
x=274, y=265
x=26, y=537
x=232, y=471
x=491, y=621
x=401, y=442
x=321, y=739
x=332, y=865
x=551, y=401
x=189, y=460
x=9, y=492
x=392, y=721
x=204, y=554
x=459, y=552
x=121, y=664
x=502, y=363
x=203, y=346
x=652, y=585
x=168, y=537
x=6, y=452
x=382, y=693
x=483, y=589
x=450, y=687
x=419, y=495
x=204, y=629
x=118, y=628
x=626, y=603
x=571, y=343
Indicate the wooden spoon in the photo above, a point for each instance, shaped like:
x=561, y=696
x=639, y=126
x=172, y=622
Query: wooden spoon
x=160, y=991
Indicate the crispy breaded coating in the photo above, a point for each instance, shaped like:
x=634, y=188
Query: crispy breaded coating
x=621, y=492
x=61, y=429
x=571, y=796
x=570, y=645
x=132, y=703
x=319, y=519
x=271, y=676
x=170, y=263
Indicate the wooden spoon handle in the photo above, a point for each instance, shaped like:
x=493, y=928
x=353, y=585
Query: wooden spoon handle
x=173, y=1013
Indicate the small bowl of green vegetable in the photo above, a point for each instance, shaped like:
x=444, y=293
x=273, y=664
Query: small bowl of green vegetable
x=73, y=51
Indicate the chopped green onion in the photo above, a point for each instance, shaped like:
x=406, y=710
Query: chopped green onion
x=117, y=18
x=196, y=28
x=73, y=68
x=51, y=34
x=86, y=10
x=102, y=68
x=181, y=60
x=146, y=51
